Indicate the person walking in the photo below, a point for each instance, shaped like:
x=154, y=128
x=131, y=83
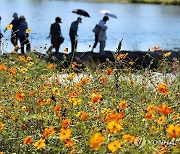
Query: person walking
x=23, y=36
x=56, y=35
x=14, y=32
x=73, y=33
x=100, y=34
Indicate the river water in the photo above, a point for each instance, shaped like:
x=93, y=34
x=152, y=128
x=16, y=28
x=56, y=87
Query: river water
x=141, y=26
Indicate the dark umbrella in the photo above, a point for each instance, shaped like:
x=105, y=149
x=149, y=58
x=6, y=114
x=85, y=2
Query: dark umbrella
x=81, y=12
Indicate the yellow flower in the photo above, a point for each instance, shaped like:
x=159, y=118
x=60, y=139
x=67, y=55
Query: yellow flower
x=40, y=144
x=96, y=140
x=24, y=70
x=123, y=104
x=23, y=108
x=114, y=146
x=121, y=56
x=1, y=126
x=127, y=137
x=75, y=101
x=28, y=30
x=10, y=26
x=21, y=58
x=114, y=127
x=56, y=91
x=173, y=130
x=106, y=111
x=29, y=58
x=167, y=54
x=71, y=76
x=131, y=63
x=65, y=134
x=151, y=108
x=65, y=49
x=161, y=120
x=30, y=64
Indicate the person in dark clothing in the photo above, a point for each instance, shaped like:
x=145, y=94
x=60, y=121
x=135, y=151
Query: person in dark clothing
x=55, y=34
x=14, y=32
x=101, y=25
x=23, y=36
x=73, y=33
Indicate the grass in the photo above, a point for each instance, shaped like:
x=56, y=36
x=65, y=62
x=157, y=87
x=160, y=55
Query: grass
x=46, y=108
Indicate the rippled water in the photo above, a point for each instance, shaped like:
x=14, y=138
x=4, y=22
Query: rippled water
x=141, y=26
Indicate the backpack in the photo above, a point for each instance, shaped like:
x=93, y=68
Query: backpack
x=96, y=29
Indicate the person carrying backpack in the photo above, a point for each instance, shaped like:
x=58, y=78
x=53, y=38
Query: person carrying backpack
x=100, y=33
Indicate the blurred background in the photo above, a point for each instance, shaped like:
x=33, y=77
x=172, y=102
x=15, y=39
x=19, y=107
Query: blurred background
x=141, y=26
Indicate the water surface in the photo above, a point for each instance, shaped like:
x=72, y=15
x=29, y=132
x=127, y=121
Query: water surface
x=141, y=26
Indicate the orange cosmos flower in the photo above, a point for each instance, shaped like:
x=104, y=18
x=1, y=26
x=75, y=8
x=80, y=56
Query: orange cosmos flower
x=173, y=130
x=51, y=66
x=31, y=93
x=65, y=134
x=109, y=71
x=155, y=48
x=162, y=88
x=48, y=131
x=102, y=79
x=96, y=140
x=68, y=143
x=3, y=68
x=96, y=98
x=123, y=104
x=121, y=56
x=85, y=80
x=28, y=140
x=114, y=146
x=57, y=108
x=150, y=116
x=20, y=96
x=83, y=116
x=65, y=123
x=127, y=137
x=74, y=65
x=12, y=71
x=164, y=109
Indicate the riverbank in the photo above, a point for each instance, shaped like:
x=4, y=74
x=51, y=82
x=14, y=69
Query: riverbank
x=168, y=2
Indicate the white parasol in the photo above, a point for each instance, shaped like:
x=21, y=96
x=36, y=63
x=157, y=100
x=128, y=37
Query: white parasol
x=108, y=13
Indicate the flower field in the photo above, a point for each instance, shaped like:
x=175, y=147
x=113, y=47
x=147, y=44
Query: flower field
x=46, y=108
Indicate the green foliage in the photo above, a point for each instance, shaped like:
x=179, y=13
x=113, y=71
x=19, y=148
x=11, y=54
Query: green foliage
x=36, y=96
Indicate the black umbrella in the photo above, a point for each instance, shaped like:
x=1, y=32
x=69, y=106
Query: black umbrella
x=81, y=12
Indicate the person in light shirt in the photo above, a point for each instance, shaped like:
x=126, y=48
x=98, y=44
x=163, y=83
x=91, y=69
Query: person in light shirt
x=100, y=36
